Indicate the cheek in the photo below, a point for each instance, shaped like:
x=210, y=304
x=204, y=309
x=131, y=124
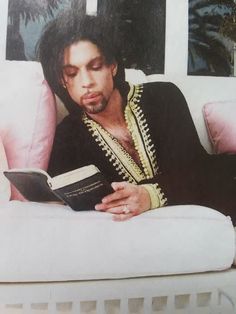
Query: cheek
x=108, y=82
x=75, y=93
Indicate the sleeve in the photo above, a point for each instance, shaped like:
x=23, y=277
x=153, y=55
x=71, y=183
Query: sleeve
x=63, y=157
x=157, y=197
x=187, y=173
x=180, y=155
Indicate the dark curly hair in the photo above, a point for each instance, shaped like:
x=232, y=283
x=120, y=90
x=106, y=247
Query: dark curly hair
x=71, y=27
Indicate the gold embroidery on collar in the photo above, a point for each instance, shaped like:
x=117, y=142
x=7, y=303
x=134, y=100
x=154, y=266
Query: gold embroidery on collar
x=121, y=160
x=139, y=130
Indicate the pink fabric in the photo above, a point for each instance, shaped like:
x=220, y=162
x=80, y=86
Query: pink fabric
x=220, y=118
x=5, y=190
x=27, y=115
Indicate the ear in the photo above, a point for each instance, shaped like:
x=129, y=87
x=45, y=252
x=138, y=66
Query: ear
x=114, y=69
x=63, y=83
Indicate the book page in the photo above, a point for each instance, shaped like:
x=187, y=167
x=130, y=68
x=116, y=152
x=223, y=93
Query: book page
x=72, y=176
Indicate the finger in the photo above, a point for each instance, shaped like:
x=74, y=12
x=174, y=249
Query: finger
x=119, y=185
x=119, y=210
x=118, y=195
x=118, y=203
x=122, y=217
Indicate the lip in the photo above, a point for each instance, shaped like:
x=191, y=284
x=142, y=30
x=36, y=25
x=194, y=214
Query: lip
x=91, y=97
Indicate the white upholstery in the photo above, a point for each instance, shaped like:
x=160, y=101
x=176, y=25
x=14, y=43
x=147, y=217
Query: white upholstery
x=42, y=242
x=211, y=292
x=50, y=242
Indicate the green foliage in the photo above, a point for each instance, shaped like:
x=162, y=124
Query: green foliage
x=31, y=10
x=228, y=27
x=209, y=50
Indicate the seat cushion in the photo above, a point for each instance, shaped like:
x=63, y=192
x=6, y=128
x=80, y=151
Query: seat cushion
x=50, y=242
x=27, y=115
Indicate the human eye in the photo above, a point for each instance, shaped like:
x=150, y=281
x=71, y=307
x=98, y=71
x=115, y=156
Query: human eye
x=70, y=72
x=97, y=66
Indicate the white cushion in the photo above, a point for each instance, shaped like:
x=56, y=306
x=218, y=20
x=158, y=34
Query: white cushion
x=42, y=242
x=135, y=76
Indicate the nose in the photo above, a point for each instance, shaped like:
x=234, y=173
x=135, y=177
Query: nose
x=86, y=79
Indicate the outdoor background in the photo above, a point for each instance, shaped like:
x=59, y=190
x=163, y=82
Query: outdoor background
x=211, y=31
x=211, y=37
x=143, y=34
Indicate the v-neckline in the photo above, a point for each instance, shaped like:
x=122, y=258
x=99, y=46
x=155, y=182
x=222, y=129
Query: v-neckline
x=123, y=162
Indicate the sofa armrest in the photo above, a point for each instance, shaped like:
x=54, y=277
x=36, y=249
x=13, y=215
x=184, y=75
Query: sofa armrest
x=49, y=242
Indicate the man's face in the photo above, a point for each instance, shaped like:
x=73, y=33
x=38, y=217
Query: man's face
x=87, y=77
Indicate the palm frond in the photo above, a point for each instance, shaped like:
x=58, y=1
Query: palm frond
x=208, y=46
x=32, y=10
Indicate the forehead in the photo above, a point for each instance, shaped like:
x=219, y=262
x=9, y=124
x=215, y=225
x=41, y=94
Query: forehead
x=81, y=53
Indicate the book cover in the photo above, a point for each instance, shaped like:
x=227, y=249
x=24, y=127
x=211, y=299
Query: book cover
x=81, y=189
x=85, y=194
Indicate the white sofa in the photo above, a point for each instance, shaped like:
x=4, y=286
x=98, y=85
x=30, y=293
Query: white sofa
x=55, y=260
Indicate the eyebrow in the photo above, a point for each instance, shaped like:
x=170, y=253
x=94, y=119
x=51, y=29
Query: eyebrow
x=98, y=58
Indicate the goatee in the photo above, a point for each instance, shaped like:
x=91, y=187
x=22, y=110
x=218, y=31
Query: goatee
x=94, y=108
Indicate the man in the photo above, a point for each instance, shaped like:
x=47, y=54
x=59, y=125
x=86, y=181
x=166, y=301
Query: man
x=141, y=137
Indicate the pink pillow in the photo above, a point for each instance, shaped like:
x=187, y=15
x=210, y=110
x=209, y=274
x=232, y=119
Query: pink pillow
x=27, y=115
x=220, y=118
x=5, y=190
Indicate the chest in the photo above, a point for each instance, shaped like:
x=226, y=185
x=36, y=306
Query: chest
x=125, y=139
x=126, y=146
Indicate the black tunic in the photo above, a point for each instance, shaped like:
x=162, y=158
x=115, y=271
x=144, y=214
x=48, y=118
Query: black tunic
x=187, y=174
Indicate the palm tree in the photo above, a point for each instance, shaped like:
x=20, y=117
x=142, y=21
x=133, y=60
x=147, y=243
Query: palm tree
x=30, y=10
x=25, y=10
x=228, y=27
x=209, y=50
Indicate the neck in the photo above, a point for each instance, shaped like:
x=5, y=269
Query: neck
x=112, y=116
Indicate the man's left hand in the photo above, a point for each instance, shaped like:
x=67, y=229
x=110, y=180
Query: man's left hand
x=126, y=201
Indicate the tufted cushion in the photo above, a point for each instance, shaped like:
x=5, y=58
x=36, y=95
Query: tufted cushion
x=220, y=118
x=4, y=183
x=27, y=115
x=54, y=243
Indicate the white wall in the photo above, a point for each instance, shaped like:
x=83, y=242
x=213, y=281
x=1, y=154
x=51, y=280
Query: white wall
x=197, y=90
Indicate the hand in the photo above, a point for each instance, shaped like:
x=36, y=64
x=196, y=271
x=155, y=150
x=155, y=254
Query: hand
x=126, y=201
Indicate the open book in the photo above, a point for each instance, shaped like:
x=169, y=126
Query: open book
x=81, y=189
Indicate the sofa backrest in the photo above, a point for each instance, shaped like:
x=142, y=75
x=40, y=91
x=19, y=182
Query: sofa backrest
x=29, y=113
